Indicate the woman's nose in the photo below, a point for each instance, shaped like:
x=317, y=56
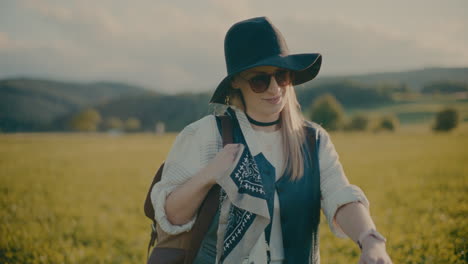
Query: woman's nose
x=274, y=88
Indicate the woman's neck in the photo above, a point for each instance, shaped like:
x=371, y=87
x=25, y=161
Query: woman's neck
x=264, y=119
x=265, y=129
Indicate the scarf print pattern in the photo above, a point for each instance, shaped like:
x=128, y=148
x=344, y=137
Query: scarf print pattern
x=248, y=179
x=243, y=201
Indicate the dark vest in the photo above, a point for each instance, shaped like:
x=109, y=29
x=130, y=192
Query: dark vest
x=299, y=206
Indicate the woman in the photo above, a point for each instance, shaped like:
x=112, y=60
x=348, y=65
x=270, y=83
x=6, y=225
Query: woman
x=272, y=184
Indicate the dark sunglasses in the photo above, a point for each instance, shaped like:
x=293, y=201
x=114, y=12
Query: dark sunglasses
x=260, y=82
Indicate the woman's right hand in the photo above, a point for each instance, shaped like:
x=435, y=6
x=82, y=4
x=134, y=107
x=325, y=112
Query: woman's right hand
x=222, y=162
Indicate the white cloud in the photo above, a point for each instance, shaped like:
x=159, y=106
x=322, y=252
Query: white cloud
x=5, y=41
x=353, y=47
x=178, y=45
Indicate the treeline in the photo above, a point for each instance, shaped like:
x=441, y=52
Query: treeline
x=329, y=113
x=350, y=93
x=445, y=87
x=90, y=120
x=52, y=107
x=174, y=111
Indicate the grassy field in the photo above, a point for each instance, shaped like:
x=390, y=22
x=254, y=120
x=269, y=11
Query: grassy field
x=78, y=198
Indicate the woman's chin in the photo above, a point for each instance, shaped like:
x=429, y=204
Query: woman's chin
x=275, y=110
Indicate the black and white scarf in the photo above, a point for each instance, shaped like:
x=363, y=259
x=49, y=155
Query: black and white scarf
x=244, y=211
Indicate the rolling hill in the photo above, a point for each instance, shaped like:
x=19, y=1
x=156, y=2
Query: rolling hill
x=46, y=105
x=33, y=105
x=414, y=79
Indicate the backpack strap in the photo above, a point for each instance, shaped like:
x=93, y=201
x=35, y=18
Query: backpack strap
x=211, y=203
x=311, y=141
x=149, y=210
x=208, y=207
x=226, y=133
x=311, y=138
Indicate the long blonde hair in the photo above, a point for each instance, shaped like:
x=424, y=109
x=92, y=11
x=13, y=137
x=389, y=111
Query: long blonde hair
x=292, y=129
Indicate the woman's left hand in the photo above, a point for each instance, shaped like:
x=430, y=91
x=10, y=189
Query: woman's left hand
x=374, y=252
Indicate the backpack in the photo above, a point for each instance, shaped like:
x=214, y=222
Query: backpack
x=183, y=248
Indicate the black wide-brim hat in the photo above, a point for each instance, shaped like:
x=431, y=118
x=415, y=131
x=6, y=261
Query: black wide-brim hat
x=257, y=42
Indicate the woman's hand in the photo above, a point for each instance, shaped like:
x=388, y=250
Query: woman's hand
x=374, y=252
x=183, y=203
x=221, y=163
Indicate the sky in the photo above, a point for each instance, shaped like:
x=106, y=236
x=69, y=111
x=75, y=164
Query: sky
x=177, y=46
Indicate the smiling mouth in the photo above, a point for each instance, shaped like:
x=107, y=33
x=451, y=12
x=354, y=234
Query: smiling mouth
x=273, y=98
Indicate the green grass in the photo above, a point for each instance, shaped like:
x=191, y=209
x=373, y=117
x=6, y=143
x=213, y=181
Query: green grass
x=75, y=198
x=417, y=185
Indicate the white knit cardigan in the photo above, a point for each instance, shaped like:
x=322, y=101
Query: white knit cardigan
x=199, y=142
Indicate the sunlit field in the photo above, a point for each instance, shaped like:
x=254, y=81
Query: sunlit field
x=78, y=198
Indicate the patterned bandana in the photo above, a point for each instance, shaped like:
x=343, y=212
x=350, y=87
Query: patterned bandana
x=244, y=211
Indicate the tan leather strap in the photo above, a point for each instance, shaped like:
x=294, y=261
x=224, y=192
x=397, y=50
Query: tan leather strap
x=208, y=207
x=226, y=125
x=211, y=203
x=149, y=210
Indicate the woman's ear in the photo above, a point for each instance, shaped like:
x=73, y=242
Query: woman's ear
x=235, y=82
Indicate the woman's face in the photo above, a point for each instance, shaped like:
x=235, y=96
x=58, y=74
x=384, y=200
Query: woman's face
x=265, y=106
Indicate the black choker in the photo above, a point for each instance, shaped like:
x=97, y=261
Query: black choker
x=263, y=124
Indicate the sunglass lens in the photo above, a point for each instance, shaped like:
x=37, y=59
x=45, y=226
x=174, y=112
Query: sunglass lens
x=282, y=78
x=260, y=83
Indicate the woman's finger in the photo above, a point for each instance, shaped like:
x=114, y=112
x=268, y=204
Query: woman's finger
x=232, y=146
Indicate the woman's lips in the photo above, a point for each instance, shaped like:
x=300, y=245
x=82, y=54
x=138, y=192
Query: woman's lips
x=274, y=100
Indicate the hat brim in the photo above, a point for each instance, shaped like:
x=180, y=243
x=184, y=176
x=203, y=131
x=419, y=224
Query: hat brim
x=305, y=66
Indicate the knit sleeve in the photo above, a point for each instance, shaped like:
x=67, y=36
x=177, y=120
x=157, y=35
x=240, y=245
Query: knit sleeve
x=335, y=187
x=193, y=147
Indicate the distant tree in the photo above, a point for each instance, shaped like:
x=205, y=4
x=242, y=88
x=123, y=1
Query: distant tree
x=87, y=120
x=160, y=127
x=114, y=123
x=327, y=111
x=403, y=88
x=446, y=120
x=132, y=124
x=387, y=122
x=350, y=94
x=359, y=122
